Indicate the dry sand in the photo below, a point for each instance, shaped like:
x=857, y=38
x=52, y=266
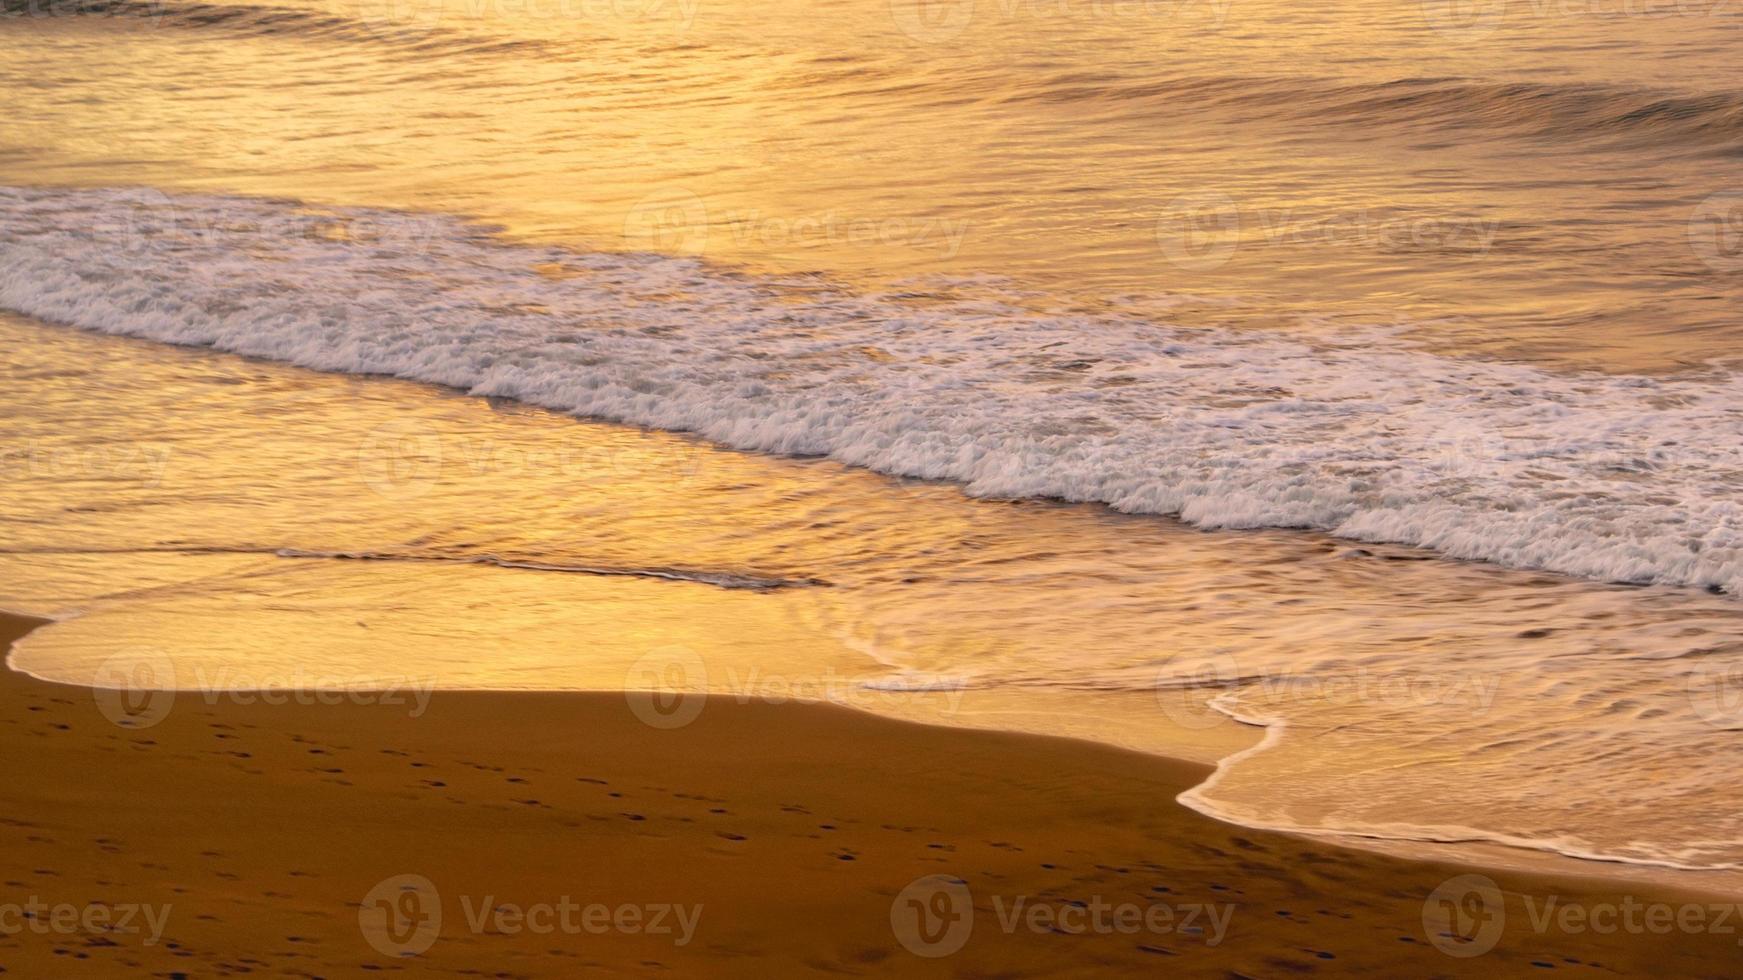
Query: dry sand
x=767, y=840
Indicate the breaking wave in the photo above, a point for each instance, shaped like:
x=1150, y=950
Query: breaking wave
x=1612, y=477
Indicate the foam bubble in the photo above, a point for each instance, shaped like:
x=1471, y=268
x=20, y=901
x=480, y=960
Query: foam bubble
x=1615, y=478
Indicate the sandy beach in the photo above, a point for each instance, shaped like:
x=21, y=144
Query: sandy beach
x=559, y=835
x=967, y=488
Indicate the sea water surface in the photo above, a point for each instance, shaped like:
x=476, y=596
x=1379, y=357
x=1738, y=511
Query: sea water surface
x=1360, y=372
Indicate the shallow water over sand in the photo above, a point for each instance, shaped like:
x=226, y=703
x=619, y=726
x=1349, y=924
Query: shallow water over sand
x=1557, y=182
x=1454, y=275
x=216, y=514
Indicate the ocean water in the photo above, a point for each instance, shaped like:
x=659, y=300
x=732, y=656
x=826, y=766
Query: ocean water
x=1346, y=393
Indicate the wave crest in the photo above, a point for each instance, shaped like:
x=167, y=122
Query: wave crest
x=1617, y=478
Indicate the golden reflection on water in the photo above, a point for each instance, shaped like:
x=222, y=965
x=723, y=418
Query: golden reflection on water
x=1512, y=186
x=256, y=525
x=1509, y=186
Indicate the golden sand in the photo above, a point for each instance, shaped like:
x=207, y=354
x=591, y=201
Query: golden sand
x=558, y=835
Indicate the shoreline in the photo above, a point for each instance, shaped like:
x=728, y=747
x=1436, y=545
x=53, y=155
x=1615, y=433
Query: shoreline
x=1365, y=525
x=1215, y=757
x=481, y=440
x=1478, y=849
x=259, y=831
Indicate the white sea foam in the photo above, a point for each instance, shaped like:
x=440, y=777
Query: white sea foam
x=1618, y=478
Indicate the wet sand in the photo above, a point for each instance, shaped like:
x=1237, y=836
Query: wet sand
x=756, y=840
